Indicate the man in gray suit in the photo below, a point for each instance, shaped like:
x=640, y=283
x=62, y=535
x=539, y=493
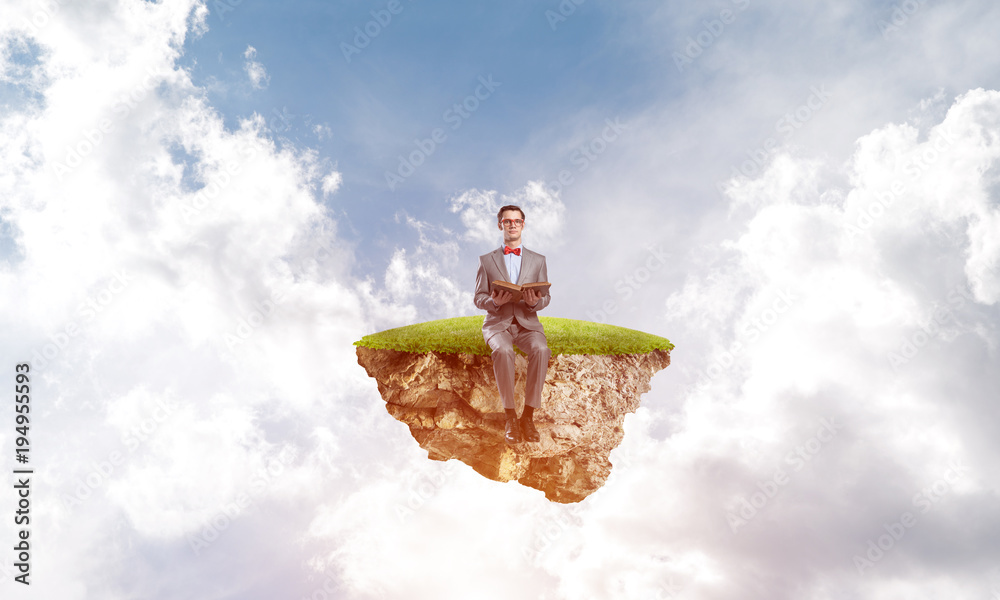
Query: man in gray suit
x=509, y=323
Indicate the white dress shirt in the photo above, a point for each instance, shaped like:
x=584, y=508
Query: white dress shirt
x=513, y=262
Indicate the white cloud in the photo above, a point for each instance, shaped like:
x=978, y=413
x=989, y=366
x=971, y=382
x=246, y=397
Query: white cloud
x=322, y=131
x=150, y=490
x=332, y=183
x=543, y=215
x=162, y=257
x=857, y=293
x=255, y=70
x=438, y=276
x=428, y=276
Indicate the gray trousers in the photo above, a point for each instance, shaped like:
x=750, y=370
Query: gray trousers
x=536, y=347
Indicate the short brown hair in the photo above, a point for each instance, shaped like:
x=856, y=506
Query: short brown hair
x=504, y=209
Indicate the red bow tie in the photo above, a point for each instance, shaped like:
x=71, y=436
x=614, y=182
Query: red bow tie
x=508, y=250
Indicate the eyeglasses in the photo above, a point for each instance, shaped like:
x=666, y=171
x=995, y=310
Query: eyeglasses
x=508, y=222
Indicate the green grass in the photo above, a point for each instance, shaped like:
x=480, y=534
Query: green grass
x=465, y=335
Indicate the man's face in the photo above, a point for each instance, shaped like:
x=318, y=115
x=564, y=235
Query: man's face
x=512, y=225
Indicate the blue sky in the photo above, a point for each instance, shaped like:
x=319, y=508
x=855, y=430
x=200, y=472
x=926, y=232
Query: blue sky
x=195, y=226
x=422, y=62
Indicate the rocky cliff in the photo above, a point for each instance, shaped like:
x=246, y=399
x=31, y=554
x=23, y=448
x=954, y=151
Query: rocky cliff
x=451, y=405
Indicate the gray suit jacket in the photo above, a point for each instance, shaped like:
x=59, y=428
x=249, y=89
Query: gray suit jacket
x=492, y=268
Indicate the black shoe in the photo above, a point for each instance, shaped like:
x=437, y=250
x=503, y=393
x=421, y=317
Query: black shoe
x=528, y=428
x=513, y=433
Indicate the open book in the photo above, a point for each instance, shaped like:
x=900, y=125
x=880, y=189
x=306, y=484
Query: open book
x=517, y=291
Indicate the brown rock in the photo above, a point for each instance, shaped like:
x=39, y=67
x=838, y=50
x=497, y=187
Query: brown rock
x=453, y=409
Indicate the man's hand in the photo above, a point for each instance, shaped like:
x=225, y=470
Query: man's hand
x=501, y=297
x=531, y=297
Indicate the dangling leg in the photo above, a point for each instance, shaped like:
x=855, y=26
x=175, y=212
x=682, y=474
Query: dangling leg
x=534, y=344
x=503, y=370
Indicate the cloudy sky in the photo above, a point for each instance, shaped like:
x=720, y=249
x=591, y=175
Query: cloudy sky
x=203, y=204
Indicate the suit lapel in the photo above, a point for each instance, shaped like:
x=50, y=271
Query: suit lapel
x=501, y=264
x=527, y=263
